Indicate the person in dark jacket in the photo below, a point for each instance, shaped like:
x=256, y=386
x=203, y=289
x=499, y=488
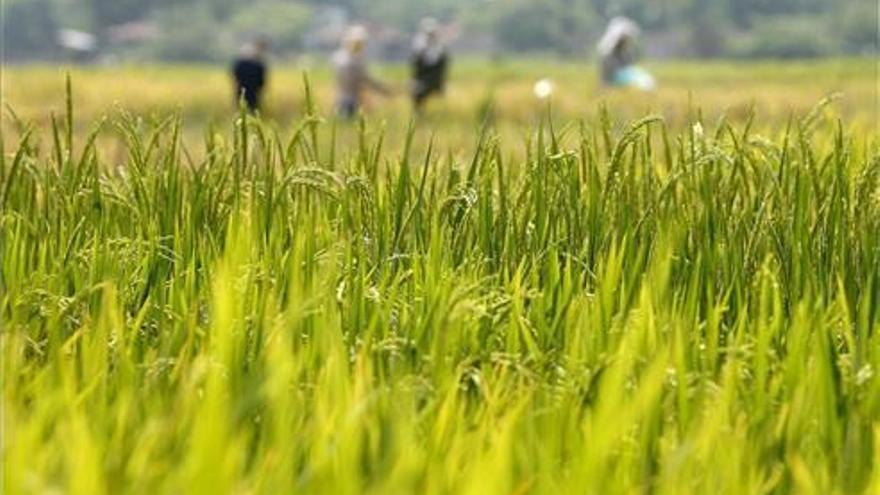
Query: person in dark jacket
x=249, y=71
x=429, y=63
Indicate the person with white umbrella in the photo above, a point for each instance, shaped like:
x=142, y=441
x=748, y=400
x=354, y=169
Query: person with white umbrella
x=617, y=55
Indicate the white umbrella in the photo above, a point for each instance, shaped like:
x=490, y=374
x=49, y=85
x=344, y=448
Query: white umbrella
x=78, y=41
x=618, y=28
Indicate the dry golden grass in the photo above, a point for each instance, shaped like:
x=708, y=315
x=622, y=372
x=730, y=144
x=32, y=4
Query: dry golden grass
x=203, y=94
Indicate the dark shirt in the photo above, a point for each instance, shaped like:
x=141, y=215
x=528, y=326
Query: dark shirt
x=429, y=76
x=250, y=77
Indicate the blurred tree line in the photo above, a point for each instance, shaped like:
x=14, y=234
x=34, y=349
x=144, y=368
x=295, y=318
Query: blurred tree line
x=208, y=30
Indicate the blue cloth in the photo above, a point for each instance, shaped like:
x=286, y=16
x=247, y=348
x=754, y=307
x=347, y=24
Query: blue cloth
x=635, y=77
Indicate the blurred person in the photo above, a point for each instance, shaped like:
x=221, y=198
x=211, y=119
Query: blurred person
x=249, y=71
x=617, y=55
x=352, y=75
x=429, y=62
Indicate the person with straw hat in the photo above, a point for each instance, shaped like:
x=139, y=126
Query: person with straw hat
x=352, y=75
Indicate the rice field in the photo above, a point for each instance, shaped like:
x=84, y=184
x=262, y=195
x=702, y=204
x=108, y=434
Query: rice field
x=667, y=294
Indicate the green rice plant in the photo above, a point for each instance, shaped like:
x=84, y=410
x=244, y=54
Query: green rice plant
x=626, y=309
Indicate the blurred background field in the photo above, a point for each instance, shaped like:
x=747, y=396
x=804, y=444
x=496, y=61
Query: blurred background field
x=500, y=90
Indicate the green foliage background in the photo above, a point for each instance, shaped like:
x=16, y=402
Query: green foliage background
x=210, y=29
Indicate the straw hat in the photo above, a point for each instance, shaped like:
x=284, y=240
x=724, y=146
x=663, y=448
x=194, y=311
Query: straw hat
x=355, y=38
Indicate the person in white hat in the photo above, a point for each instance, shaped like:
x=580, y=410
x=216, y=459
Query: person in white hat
x=429, y=62
x=352, y=76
